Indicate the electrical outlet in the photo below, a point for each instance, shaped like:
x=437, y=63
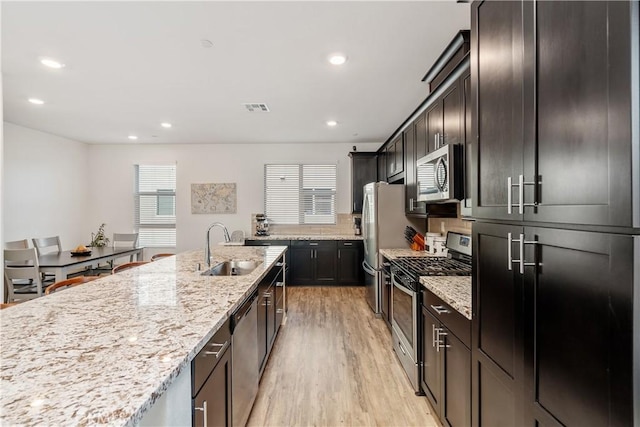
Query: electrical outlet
x=442, y=227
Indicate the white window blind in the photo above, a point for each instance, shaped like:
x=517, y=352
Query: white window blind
x=155, y=205
x=300, y=194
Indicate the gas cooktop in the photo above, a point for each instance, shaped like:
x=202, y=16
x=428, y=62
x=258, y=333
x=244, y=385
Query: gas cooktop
x=432, y=266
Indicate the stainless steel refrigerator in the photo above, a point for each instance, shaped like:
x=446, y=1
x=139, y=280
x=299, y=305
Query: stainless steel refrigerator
x=383, y=224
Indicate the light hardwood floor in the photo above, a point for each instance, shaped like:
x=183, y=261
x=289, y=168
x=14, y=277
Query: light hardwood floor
x=333, y=365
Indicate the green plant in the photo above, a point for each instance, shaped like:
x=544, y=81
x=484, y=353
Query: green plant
x=98, y=239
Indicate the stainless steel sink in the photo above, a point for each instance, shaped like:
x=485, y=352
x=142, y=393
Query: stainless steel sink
x=232, y=268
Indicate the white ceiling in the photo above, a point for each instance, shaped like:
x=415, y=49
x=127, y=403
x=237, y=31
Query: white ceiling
x=132, y=65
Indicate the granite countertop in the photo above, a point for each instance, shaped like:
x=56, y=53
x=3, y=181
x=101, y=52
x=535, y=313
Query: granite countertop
x=104, y=352
x=454, y=290
x=391, y=254
x=307, y=237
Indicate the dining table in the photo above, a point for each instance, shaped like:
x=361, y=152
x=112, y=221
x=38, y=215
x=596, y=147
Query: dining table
x=64, y=262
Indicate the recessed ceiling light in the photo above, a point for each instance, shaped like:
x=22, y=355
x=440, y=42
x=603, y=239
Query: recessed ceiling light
x=332, y=123
x=337, y=59
x=165, y=125
x=36, y=101
x=132, y=137
x=51, y=63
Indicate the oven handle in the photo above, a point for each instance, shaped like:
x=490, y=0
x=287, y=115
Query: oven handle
x=401, y=286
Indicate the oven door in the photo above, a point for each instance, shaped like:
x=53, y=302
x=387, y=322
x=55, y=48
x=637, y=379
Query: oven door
x=404, y=328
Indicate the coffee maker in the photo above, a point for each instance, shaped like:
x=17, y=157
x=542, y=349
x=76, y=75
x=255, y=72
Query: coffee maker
x=262, y=225
x=357, y=226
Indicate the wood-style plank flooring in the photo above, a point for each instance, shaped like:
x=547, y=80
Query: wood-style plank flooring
x=333, y=365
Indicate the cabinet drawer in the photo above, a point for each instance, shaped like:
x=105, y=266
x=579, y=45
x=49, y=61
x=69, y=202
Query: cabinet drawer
x=450, y=318
x=346, y=244
x=314, y=244
x=209, y=356
x=266, y=243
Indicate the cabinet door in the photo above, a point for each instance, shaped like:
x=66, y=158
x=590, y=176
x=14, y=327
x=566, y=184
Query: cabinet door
x=451, y=114
x=325, y=264
x=382, y=166
x=399, y=155
x=468, y=141
x=350, y=256
x=497, y=328
x=363, y=171
x=302, y=266
x=456, y=400
x=497, y=82
x=580, y=151
x=410, y=188
x=215, y=396
x=270, y=304
x=391, y=157
x=579, y=327
x=431, y=376
x=434, y=125
x=420, y=126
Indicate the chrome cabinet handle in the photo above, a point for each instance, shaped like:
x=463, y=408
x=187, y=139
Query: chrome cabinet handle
x=440, y=343
x=521, y=262
x=402, y=348
x=279, y=264
x=411, y=204
x=521, y=204
x=279, y=284
x=223, y=347
x=433, y=335
x=267, y=294
x=313, y=244
x=348, y=244
x=203, y=409
x=279, y=311
x=440, y=309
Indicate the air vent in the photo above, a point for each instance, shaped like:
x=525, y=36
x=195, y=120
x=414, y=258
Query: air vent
x=256, y=108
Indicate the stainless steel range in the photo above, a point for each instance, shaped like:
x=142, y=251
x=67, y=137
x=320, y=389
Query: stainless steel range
x=406, y=298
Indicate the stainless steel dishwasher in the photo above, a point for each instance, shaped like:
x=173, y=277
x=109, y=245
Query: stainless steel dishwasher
x=244, y=366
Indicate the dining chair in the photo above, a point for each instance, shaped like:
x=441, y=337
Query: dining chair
x=69, y=283
x=4, y=305
x=17, y=244
x=45, y=245
x=125, y=240
x=22, y=274
x=127, y=266
x=160, y=256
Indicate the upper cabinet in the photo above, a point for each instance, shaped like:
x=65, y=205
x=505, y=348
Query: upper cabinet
x=395, y=159
x=363, y=170
x=566, y=154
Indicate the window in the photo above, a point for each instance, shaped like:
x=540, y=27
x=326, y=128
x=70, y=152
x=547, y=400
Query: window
x=300, y=194
x=155, y=205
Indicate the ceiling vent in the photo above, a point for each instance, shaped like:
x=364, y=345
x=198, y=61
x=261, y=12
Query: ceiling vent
x=256, y=108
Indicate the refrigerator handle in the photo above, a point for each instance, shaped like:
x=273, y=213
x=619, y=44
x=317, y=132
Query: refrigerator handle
x=365, y=215
x=368, y=269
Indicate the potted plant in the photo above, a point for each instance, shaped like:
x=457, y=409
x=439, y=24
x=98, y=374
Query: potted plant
x=99, y=240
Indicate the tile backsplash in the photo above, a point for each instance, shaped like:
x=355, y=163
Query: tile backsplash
x=344, y=225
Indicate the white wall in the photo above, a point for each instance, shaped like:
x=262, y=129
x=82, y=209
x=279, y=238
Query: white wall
x=46, y=187
x=111, y=198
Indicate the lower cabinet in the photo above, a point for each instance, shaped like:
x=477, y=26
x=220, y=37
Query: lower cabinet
x=386, y=292
x=446, y=361
x=313, y=262
x=350, y=256
x=270, y=294
x=553, y=327
x=211, y=381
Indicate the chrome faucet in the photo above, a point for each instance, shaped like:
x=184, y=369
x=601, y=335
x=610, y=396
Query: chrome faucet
x=207, y=248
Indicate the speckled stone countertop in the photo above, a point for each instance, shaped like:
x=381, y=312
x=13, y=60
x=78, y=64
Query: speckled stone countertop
x=454, y=290
x=102, y=353
x=307, y=237
x=397, y=253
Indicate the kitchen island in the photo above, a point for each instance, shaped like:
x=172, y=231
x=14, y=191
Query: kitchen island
x=104, y=352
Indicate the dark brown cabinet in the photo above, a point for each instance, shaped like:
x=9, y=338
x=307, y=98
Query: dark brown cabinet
x=467, y=140
x=553, y=111
x=270, y=310
x=211, y=381
x=446, y=361
x=350, y=257
x=566, y=309
x=381, y=160
x=313, y=262
x=363, y=170
x=395, y=158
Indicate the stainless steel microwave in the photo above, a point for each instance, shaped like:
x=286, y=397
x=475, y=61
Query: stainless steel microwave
x=441, y=175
